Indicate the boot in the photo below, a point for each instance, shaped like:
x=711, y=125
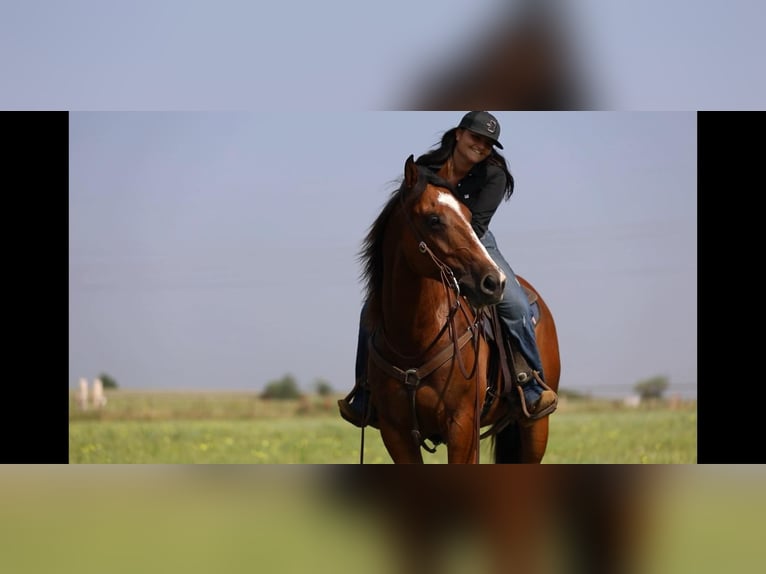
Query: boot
x=539, y=398
x=356, y=408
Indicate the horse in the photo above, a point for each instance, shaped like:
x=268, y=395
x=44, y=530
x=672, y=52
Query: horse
x=430, y=287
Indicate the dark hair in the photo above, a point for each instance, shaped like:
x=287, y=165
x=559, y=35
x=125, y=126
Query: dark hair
x=442, y=151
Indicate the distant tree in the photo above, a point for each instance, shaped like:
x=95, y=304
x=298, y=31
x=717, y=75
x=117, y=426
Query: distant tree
x=323, y=388
x=652, y=388
x=284, y=388
x=107, y=381
x=573, y=394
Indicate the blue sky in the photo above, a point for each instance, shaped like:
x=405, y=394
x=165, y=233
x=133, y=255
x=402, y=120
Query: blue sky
x=217, y=250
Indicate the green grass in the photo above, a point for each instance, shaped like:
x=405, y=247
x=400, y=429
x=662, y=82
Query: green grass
x=239, y=428
x=646, y=436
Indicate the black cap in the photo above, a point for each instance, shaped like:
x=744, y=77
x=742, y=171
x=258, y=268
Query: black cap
x=482, y=123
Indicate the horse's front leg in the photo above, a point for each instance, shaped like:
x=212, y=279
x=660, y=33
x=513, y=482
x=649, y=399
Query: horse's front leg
x=463, y=438
x=400, y=445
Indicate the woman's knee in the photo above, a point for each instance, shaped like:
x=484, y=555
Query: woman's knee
x=515, y=300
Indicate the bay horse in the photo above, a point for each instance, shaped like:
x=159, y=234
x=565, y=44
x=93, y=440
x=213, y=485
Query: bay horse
x=430, y=283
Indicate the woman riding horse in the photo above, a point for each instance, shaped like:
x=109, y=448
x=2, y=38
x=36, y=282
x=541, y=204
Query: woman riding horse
x=467, y=159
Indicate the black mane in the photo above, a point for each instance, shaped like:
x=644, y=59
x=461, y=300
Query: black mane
x=371, y=253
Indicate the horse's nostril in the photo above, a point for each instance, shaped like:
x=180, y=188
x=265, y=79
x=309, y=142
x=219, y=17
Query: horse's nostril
x=489, y=284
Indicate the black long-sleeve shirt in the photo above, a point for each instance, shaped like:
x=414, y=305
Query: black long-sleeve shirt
x=482, y=190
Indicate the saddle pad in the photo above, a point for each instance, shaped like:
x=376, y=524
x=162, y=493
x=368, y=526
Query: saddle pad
x=535, y=313
x=532, y=298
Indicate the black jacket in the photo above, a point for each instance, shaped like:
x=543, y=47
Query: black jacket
x=482, y=190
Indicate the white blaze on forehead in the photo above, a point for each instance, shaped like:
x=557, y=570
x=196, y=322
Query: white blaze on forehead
x=446, y=198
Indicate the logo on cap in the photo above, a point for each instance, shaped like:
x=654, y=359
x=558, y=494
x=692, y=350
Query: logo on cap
x=491, y=126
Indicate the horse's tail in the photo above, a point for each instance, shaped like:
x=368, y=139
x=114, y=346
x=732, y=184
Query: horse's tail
x=506, y=445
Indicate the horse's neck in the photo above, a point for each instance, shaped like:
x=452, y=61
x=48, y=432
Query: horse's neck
x=414, y=312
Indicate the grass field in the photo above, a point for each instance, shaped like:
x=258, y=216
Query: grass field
x=240, y=428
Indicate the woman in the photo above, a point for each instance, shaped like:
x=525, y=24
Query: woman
x=467, y=158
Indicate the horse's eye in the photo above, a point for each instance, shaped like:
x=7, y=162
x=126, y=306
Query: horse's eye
x=434, y=222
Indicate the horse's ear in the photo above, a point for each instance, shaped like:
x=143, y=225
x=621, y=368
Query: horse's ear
x=410, y=172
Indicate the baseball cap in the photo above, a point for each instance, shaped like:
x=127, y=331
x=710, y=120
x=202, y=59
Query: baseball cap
x=482, y=123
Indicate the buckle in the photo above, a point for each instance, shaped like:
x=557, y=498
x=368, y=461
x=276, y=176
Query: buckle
x=411, y=377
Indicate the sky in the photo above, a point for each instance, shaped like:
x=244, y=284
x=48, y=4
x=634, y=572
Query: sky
x=218, y=250
x=226, y=159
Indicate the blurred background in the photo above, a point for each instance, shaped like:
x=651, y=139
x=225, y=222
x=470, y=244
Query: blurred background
x=395, y=55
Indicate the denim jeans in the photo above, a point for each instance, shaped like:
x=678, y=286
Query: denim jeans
x=514, y=310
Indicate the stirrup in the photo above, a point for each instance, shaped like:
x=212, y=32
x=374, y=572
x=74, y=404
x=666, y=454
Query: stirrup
x=349, y=414
x=547, y=410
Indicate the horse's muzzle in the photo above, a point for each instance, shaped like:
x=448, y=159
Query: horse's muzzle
x=488, y=291
x=493, y=285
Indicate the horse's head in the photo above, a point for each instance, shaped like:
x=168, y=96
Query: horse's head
x=438, y=237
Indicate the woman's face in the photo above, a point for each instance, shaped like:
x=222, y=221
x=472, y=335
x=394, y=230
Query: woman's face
x=473, y=147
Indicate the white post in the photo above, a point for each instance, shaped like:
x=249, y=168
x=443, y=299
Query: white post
x=82, y=396
x=99, y=400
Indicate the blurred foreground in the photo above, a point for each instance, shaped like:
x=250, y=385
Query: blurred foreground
x=335, y=519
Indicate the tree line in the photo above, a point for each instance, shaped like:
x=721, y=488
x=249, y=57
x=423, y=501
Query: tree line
x=287, y=387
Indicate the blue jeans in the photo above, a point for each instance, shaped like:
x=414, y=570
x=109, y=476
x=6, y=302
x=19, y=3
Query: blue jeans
x=514, y=310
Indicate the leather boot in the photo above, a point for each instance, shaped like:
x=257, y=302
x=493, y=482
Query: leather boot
x=545, y=405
